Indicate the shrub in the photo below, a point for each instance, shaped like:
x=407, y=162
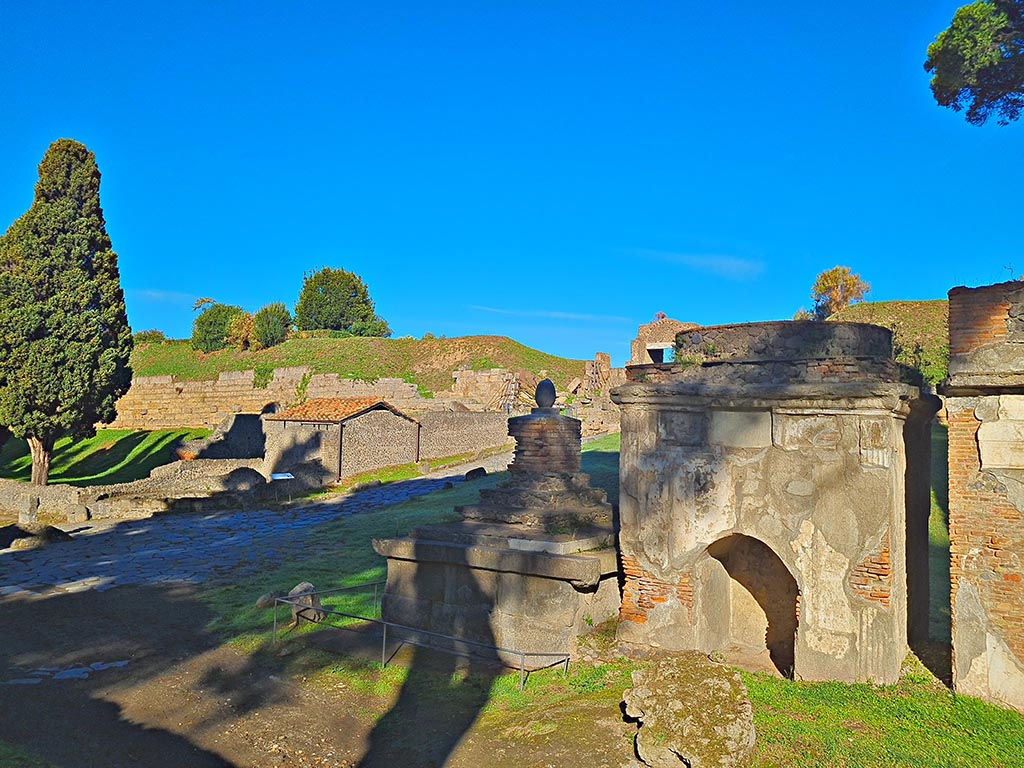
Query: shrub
x=271, y=325
x=210, y=329
x=149, y=337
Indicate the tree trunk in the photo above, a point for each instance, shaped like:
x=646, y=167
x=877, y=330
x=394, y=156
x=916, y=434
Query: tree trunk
x=40, y=460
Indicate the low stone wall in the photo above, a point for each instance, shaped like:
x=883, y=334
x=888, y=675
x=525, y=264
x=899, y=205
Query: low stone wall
x=181, y=485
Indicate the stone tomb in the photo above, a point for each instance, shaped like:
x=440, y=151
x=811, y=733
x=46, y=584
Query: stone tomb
x=530, y=568
x=774, y=498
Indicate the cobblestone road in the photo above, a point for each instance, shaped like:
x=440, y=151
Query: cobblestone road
x=193, y=548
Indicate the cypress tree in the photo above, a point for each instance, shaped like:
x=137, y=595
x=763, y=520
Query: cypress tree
x=64, y=334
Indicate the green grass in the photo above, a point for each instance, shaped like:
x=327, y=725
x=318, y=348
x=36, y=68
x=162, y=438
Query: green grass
x=112, y=456
x=428, y=363
x=916, y=722
x=16, y=757
x=601, y=462
x=348, y=560
x=939, y=621
x=920, y=331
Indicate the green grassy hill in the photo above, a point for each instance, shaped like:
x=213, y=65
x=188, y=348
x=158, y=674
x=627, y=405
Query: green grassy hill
x=920, y=331
x=426, y=362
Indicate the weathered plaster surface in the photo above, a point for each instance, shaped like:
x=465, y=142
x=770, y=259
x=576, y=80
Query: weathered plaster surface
x=815, y=470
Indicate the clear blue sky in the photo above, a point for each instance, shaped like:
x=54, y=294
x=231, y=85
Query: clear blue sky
x=551, y=171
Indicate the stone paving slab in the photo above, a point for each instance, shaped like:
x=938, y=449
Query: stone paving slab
x=192, y=548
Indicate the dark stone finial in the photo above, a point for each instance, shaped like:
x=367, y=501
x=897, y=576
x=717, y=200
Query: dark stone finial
x=545, y=394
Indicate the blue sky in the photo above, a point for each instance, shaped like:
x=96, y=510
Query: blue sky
x=556, y=172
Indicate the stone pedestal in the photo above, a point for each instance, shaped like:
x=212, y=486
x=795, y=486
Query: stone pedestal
x=529, y=568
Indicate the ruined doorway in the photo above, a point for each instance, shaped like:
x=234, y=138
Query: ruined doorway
x=763, y=598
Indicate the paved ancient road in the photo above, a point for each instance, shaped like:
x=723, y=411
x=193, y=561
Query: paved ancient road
x=193, y=548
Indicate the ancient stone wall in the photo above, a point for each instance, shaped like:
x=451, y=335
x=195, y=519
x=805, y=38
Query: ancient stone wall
x=378, y=439
x=765, y=490
x=289, y=445
x=482, y=387
x=453, y=433
x=161, y=402
x=985, y=405
x=654, y=341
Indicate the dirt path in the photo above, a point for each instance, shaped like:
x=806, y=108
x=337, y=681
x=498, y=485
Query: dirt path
x=184, y=700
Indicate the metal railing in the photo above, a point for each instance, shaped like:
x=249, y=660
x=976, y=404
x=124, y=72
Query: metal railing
x=458, y=642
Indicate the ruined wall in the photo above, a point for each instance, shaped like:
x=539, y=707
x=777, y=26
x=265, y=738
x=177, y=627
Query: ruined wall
x=160, y=402
x=766, y=489
x=481, y=387
x=453, y=433
x=378, y=439
x=660, y=336
x=985, y=405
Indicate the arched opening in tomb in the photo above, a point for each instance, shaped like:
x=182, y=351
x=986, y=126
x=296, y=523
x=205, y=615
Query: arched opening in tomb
x=762, y=599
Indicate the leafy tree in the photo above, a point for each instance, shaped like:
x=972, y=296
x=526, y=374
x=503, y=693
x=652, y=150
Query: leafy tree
x=834, y=289
x=337, y=300
x=978, y=63
x=64, y=334
x=271, y=324
x=210, y=328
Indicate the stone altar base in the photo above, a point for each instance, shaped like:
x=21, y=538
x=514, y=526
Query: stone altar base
x=502, y=585
x=530, y=568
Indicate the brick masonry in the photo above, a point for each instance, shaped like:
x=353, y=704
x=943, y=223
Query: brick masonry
x=872, y=577
x=985, y=395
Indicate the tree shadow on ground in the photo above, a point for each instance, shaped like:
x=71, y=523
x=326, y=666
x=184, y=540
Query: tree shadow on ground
x=160, y=628
x=448, y=681
x=128, y=456
x=69, y=721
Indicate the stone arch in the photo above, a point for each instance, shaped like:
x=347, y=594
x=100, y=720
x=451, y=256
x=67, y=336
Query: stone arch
x=763, y=598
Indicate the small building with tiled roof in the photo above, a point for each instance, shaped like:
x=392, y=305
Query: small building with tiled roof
x=346, y=435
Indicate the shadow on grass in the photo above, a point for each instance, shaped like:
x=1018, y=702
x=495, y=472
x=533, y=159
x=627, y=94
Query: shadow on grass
x=937, y=654
x=112, y=456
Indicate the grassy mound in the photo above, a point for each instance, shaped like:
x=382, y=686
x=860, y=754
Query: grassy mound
x=426, y=362
x=920, y=331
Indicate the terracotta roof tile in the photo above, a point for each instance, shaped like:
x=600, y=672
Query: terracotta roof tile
x=332, y=409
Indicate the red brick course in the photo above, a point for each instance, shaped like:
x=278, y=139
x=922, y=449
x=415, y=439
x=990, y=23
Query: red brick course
x=978, y=317
x=872, y=577
x=643, y=591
